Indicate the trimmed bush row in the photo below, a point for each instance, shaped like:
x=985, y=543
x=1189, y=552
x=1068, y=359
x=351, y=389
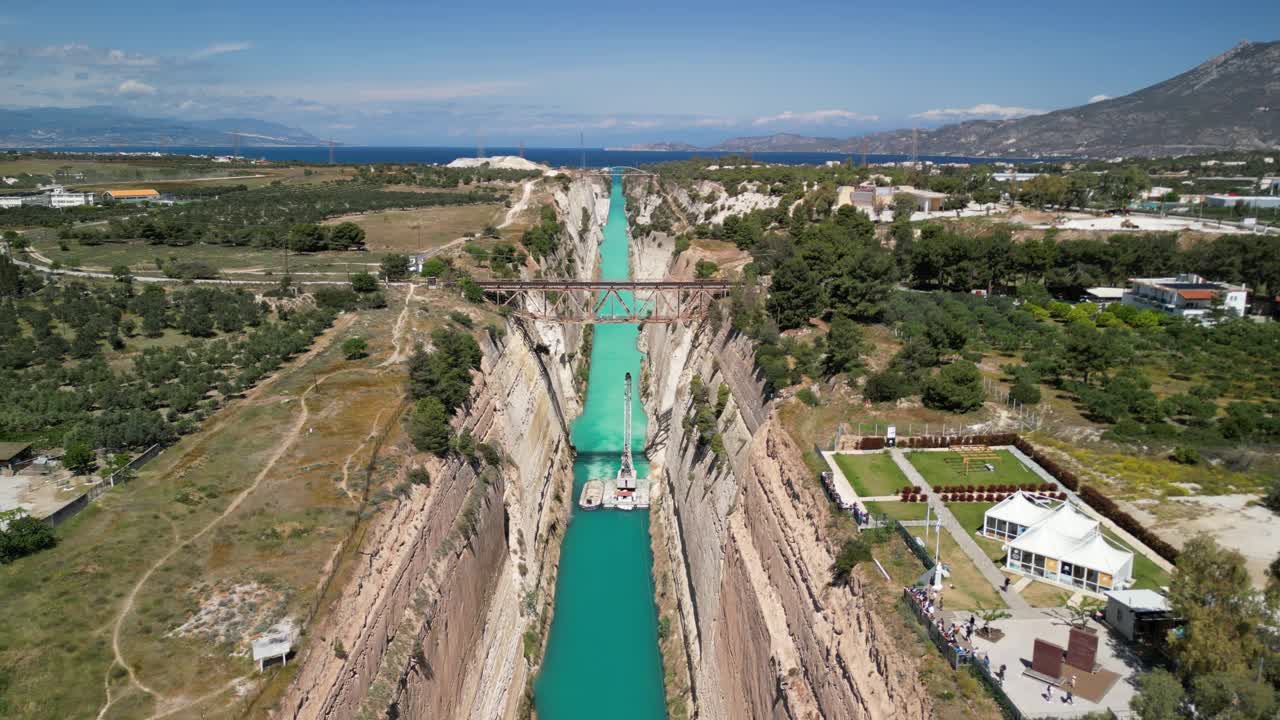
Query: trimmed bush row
x=1103, y=504
x=913, y=497
x=1064, y=476
x=938, y=441
x=1107, y=507
x=991, y=496
x=993, y=488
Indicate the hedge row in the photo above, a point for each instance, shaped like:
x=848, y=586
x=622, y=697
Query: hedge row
x=923, y=442
x=1063, y=475
x=1107, y=507
x=1103, y=504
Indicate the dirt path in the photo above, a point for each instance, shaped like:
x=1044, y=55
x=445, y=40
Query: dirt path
x=283, y=446
x=514, y=211
x=398, y=354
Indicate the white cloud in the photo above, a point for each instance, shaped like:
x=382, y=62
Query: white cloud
x=220, y=49
x=1099, y=98
x=981, y=110
x=135, y=87
x=450, y=91
x=816, y=117
x=84, y=55
x=714, y=122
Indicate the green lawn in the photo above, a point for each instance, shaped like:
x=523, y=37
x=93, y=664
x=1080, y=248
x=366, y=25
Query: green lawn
x=898, y=510
x=942, y=470
x=966, y=588
x=1146, y=574
x=970, y=514
x=872, y=474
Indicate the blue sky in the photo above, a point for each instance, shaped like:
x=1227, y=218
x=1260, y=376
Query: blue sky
x=446, y=73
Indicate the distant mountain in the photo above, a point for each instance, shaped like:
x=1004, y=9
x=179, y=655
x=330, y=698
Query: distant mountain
x=782, y=142
x=1231, y=102
x=106, y=126
x=657, y=147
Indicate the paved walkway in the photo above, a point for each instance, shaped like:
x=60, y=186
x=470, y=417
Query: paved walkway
x=843, y=488
x=961, y=535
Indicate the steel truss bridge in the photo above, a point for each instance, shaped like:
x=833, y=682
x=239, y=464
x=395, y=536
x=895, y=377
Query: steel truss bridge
x=621, y=302
x=619, y=169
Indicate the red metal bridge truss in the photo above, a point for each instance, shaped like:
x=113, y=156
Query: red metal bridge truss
x=623, y=302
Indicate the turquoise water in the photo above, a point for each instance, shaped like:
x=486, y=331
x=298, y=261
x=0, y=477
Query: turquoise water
x=602, y=655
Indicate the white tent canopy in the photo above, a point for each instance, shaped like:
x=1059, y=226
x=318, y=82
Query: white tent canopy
x=1021, y=509
x=1063, y=545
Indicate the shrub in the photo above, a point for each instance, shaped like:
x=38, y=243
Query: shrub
x=24, y=535
x=852, y=552
x=1025, y=392
x=363, y=282
x=1186, y=456
x=355, y=348
x=956, y=388
x=807, y=397
x=429, y=426
x=705, y=269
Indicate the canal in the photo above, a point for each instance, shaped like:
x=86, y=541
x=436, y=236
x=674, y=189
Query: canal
x=602, y=654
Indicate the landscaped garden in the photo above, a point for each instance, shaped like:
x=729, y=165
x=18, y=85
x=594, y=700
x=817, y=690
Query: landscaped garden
x=946, y=469
x=898, y=510
x=872, y=474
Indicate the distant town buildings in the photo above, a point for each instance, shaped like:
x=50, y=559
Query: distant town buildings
x=1266, y=202
x=64, y=199
x=874, y=199
x=1014, y=176
x=1187, y=296
x=55, y=196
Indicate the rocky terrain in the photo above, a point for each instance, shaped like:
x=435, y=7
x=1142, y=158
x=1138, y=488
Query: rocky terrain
x=764, y=632
x=461, y=573
x=434, y=625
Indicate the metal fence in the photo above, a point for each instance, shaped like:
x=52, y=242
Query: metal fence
x=954, y=656
x=124, y=474
x=995, y=687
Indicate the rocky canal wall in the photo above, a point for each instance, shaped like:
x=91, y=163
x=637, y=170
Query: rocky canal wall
x=745, y=579
x=451, y=577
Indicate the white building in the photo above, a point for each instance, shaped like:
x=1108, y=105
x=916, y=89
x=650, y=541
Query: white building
x=1135, y=613
x=1187, y=295
x=64, y=199
x=11, y=201
x=1014, y=176
x=1266, y=202
x=1057, y=543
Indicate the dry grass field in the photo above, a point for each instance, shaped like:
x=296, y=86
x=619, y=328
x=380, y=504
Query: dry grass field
x=424, y=229
x=147, y=604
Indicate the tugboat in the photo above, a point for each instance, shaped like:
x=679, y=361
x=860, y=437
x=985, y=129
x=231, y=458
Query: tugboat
x=592, y=495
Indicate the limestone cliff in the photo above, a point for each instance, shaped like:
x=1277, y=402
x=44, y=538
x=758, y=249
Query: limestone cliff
x=432, y=623
x=746, y=561
x=431, y=626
